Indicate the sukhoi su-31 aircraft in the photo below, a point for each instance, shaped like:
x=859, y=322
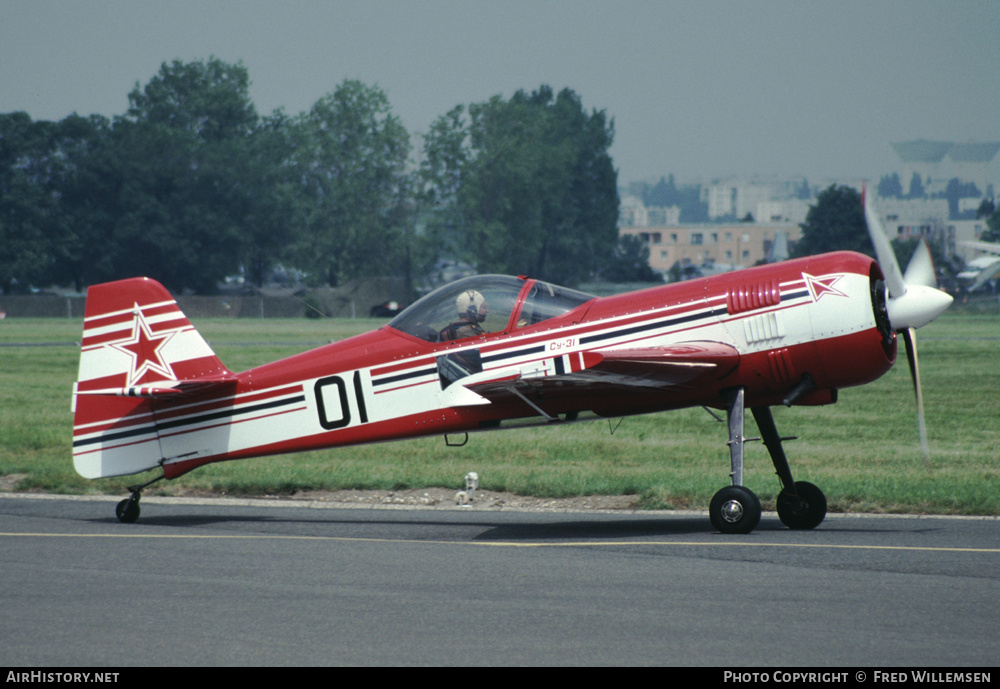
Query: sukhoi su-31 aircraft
x=492, y=352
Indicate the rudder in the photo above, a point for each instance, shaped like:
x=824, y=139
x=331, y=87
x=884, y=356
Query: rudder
x=137, y=347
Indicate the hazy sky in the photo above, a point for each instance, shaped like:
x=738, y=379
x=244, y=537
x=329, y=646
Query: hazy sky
x=697, y=88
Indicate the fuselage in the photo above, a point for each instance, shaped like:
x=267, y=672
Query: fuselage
x=812, y=316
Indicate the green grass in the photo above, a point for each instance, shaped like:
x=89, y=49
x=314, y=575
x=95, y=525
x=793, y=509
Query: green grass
x=863, y=451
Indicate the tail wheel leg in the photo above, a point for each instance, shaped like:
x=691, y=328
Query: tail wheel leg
x=800, y=505
x=127, y=510
x=805, y=509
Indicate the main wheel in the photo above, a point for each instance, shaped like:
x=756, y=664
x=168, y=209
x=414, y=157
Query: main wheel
x=805, y=512
x=127, y=511
x=735, y=509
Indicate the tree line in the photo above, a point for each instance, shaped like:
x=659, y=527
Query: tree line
x=191, y=185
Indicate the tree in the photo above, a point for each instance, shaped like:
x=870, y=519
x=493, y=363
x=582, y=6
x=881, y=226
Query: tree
x=955, y=192
x=991, y=213
x=663, y=194
x=836, y=222
x=889, y=187
x=349, y=162
x=268, y=231
x=28, y=206
x=629, y=262
x=916, y=187
x=83, y=248
x=525, y=185
x=440, y=187
x=992, y=233
x=183, y=149
x=803, y=191
x=687, y=197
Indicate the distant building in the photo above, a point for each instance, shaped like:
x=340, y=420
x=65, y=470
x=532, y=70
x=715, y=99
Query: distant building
x=899, y=213
x=971, y=163
x=966, y=231
x=936, y=162
x=922, y=158
x=711, y=248
x=632, y=213
x=787, y=210
x=737, y=198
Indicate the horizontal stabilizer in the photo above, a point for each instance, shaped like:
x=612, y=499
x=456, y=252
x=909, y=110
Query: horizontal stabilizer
x=166, y=388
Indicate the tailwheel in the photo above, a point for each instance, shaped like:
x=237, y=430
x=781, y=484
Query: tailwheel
x=805, y=508
x=127, y=510
x=735, y=509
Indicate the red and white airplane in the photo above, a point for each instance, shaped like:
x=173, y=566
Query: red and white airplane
x=491, y=352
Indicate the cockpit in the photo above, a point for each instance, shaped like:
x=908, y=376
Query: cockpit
x=485, y=304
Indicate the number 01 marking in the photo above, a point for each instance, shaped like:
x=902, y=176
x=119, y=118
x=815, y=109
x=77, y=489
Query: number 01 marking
x=332, y=403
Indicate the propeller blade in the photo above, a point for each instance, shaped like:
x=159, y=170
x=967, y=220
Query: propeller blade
x=910, y=340
x=920, y=270
x=914, y=300
x=884, y=254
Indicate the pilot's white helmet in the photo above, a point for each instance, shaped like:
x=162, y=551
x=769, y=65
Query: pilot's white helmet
x=469, y=305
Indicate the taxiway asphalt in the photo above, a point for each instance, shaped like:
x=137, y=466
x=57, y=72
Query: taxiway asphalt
x=209, y=583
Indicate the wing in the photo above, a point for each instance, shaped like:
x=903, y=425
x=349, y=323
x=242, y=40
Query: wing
x=685, y=365
x=677, y=368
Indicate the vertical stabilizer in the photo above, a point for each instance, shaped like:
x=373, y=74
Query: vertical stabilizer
x=137, y=347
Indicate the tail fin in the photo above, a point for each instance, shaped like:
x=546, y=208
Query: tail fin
x=138, y=348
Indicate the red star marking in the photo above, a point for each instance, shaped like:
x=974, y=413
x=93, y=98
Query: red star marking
x=144, y=350
x=822, y=285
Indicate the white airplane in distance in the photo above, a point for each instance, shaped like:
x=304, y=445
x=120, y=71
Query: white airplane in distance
x=982, y=268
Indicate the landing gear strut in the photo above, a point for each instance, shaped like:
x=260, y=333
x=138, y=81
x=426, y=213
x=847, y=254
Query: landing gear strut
x=800, y=505
x=127, y=510
x=735, y=509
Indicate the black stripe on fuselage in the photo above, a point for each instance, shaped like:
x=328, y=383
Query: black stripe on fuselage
x=405, y=376
x=654, y=325
x=179, y=423
x=676, y=320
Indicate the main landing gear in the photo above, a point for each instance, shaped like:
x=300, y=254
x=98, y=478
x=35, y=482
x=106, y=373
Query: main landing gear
x=735, y=509
x=127, y=510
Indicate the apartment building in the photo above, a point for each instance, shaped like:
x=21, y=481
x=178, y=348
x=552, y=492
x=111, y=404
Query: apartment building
x=712, y=247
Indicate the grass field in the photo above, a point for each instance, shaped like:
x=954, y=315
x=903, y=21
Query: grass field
x=863, y=451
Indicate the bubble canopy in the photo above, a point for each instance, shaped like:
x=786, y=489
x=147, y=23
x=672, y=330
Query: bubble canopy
x=510, y=303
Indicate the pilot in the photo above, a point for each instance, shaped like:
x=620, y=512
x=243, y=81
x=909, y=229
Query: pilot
x=471, y=307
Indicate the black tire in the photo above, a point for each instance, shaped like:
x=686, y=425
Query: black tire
x=127, y=511
x=735, y=509
x=806, y=512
